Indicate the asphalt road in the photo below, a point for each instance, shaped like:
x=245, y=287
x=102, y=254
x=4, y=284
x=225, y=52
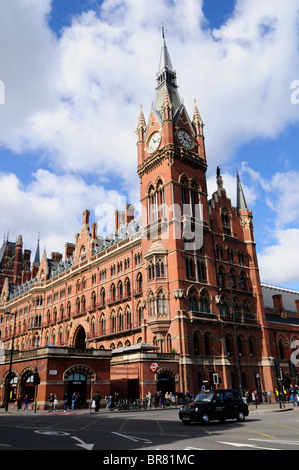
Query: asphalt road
x=156, y=431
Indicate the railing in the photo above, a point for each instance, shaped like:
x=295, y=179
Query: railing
x=240, y=317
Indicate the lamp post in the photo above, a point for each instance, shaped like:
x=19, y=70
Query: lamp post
x=235, y=333
x=11, y=355
x=236, y=340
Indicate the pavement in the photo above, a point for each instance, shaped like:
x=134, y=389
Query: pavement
x=271, y=407
x=253, y=408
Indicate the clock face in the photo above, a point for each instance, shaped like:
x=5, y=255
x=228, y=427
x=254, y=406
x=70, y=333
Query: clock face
x=154, y=142
x=185, y=139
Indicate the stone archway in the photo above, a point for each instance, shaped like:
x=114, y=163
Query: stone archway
x=166, y=378
x=79, y=339
x=78, y=381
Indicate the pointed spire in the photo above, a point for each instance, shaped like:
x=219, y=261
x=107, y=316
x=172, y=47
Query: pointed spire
x=165, y=61
x=166, y=100
x=197, y=121
x=166, y=78
x=37, y=256
x=141, y=126
x=196, y=116
x=241, y=201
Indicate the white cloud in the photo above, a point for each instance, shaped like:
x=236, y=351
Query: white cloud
x=279, y=262
x=278, y=253
x=51, y=205
x=103, y=67
x=75, y=99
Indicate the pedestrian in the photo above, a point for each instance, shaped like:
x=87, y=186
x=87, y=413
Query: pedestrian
x=77, y=402
x=51, y=402
x=107, y=400
x=19, y=403
x=66, y=403
x=269, y=397
x=97, y=399
x=157, y=399
x=26, y=401
x=293, y=394
x=55, y=402
x=73, y=400
x=149, y=399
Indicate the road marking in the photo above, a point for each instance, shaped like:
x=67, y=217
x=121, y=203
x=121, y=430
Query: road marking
x=240, y=444
x=82, y=428
x=132, y=438
x=283, y=426
x=123, y=424
x=262, y=434
x=294, y=443
x=192, y=448
x=160, y=427
x=52, y=433
x=83, y=444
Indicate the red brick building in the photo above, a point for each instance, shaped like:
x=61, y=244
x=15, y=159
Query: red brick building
x=169, y=299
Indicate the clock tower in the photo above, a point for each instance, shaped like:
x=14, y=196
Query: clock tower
x=172, y=170
x=171, y=152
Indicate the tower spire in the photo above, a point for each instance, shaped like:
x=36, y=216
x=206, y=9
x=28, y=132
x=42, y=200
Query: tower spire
x=241, y=201
x=36, y=261
x=166, y=78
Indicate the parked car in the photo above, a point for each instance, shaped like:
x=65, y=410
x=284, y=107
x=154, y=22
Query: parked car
x=214, y=405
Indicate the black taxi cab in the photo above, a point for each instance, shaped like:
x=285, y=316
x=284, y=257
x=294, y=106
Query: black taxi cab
x=211, y=405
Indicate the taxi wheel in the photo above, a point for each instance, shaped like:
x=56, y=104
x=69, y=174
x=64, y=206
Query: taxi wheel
x=205, y=419
x=241, y=416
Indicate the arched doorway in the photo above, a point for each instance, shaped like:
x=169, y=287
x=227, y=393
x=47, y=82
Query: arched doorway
x=77, y=385
x=165, y=382
x=27, y=385
x=78, y=380
x=79, y=338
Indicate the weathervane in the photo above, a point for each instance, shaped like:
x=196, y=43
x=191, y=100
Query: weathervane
x=163, y=30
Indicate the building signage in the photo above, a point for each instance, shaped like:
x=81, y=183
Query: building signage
x=154, y=367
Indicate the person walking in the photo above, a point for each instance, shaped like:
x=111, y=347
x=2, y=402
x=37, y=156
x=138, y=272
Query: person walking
x=26, y=402
x=269, y=397
x=19, y=405
x=97, y=399
x=73, y=400
x=55, y=402
x=51, y=402
x=293, y=394
x=66, y=403
x=107, y=400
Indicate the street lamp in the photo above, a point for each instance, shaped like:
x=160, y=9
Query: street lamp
x=11, y=355
x=235, y=332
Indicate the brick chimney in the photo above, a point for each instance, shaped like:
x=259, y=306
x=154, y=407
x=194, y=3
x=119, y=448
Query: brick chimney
x=55, y=256
x=129, y=213
x=86, y=215
x=278, y=305
x=69, y=250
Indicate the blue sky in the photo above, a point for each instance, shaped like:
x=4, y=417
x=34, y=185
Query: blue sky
x=75, y=74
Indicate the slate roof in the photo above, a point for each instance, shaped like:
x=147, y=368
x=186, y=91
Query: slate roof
x=288, y=297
